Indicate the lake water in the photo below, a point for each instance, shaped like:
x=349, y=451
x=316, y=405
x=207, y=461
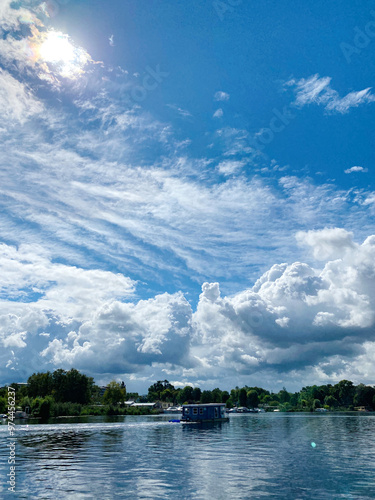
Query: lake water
x=282, y=456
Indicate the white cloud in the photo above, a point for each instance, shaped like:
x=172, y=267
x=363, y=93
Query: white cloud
x=218, y=113
x=294, y=317
x=229, y=167
x=355, y=169
x=17, y=102
x=182, y=112
x=221, y=96
x=319, y=91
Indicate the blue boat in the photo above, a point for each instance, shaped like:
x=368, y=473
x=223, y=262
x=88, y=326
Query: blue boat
x=198, y=413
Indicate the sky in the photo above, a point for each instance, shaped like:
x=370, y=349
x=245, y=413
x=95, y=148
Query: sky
x=187, y=191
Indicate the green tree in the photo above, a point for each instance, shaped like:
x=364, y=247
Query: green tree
x=167, y=395
x=331, y=401
x=344, y=392
x=45, y=407
x=364, y=395
x=155, y=390
x=283, y=396
x=224, y=396
x=114, y=394
x=185, y=395
x=317, y=404
x=216, y=395
x=39, y=384
x=229, y=403
x=3, y=405
x=206, y=397
x=196, y=394
x=77, y=387
x=242, y=397
x=252, y=398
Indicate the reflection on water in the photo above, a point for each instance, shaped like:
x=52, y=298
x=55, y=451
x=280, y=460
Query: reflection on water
x=283, y=456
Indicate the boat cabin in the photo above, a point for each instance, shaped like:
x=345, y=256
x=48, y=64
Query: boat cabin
x=210, y=412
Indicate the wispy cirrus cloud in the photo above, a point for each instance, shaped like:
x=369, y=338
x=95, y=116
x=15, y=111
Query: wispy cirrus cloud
x=318, y=90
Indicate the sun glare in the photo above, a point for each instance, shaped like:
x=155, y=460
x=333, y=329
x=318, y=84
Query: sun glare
x=57, y=48
x=58, y=52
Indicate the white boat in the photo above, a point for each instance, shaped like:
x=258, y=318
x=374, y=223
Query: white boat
x=173, y=409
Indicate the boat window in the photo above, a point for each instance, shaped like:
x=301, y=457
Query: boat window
x=195, y=411
x=216, y=413
x=186, y=411
x=200, y=411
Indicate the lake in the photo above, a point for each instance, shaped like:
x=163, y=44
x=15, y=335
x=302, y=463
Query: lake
x=271, y=455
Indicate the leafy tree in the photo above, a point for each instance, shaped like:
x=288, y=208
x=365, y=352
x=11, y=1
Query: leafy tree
x=363, y=395
x=242, y=397
x=77, y=387
x=206, y=397
x=196, y=394
x=216, y=395
x=3, y=405
x=330, y=401
x=155, y=390
x=344, y=392
x=224, y=396
x=266, y=399
x=229, y=403
x=316, y=404
x=234, y=395
x=167, y=395
x=274, y=403
x=114, y=393
x=45, y=407
x=39, y=384
x=252, y=398
x=185, y=395
x=283, y=396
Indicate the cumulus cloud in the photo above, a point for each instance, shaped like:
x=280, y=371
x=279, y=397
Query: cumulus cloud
x=355, y=169
x=295, y=316
x=318, y=90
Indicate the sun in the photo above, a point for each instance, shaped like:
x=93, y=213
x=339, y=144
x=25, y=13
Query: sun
x=62, y=57
x=57, y=48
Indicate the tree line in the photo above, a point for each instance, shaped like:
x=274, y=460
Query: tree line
x=73, y=393
x=67, y=393
x=341, y=396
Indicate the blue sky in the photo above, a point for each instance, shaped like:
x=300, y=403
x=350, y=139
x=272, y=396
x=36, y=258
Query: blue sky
x=187, y=191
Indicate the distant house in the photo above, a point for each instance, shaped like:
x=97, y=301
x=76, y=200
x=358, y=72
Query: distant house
x=164, y=405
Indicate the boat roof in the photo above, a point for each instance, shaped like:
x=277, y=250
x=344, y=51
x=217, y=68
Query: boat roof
x=204, y=404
